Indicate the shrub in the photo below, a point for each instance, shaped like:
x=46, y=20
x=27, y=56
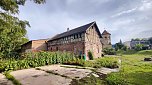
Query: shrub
x=116, y=79
x=109, y=51
x=90, y=55
x=10, y=77
x=36, y=59
x=110, y=62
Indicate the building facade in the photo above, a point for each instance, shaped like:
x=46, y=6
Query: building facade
x=106, y=39
x=80, y=41
x=34, y=46
x=146, y=44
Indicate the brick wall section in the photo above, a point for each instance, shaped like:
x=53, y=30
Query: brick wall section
x=92, y=43
x=34, y=45
x=39, y=45
x=73, y=47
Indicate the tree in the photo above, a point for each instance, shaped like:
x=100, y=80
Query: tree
x=118, y=46
x=12, y=29
x=138, y=47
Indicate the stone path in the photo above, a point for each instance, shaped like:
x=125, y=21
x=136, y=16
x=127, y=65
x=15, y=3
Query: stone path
x=4, y=81
x=69, y=72
x=52, y=75
x=38, y=77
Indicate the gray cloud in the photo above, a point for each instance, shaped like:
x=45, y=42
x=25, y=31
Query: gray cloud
x=125, y=19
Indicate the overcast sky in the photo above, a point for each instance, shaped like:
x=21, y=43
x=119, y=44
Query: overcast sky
x=124, y=19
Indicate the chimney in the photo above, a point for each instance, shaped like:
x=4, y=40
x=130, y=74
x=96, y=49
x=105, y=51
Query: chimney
x=68, y=29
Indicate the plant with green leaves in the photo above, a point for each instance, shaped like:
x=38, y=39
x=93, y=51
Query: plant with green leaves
x=12, y=29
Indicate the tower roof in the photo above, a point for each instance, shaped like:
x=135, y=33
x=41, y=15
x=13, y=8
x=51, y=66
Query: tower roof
x=105, y=32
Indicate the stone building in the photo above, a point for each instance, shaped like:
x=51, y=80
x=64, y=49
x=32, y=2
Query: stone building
x=80, y=41
x=106, y=39
x=34, y=46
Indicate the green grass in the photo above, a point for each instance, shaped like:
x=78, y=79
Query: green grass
x=134, y=70
x=10, y=77
x=109, y=62
x=89, y=80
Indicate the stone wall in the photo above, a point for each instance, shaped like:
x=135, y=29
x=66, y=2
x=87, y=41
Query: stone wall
x=74, y=47
x=39, y=45
x=106, y=40
x=34, y=45
x=92, y=43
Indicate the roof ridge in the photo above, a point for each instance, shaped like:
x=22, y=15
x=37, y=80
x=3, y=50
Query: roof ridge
x=79, y=29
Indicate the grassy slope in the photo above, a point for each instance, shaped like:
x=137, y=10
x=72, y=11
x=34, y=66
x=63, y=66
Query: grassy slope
x=134, y=71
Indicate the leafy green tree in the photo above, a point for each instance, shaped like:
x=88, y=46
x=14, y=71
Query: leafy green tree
x=118, y=46
x=12, y=29
x=138, y=47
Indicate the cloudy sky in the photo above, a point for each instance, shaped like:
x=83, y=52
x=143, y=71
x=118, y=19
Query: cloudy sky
x=124, y=19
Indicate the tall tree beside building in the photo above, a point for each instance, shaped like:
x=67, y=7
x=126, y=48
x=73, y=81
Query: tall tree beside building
x=12, y=29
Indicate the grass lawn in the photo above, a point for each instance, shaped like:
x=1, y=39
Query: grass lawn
x=134, y=70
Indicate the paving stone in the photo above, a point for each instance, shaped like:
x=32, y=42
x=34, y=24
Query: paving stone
x=4, y=81
x=70, y=72
x=37, y=77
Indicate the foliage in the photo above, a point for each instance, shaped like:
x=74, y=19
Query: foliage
x=138, y=47
x=89, y=80
x=109, y=62
x=118, y=46
x=109, y=51
x=90, y=55
x=134, y=71
x=39, y=59
x=128, y=52
x=114, y=79
x=10, y=77
x=12, y=29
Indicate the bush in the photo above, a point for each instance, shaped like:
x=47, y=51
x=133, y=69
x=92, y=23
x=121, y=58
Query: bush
x=10, y=77
x=37, y=59
x=116, y=79
x=109, y=62
x=90, y=55
x=109, y=51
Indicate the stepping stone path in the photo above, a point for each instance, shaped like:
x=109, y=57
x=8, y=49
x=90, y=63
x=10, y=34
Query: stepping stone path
x=38, y=77
x=4, y=81
x=66, y=71
x=53, y=75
